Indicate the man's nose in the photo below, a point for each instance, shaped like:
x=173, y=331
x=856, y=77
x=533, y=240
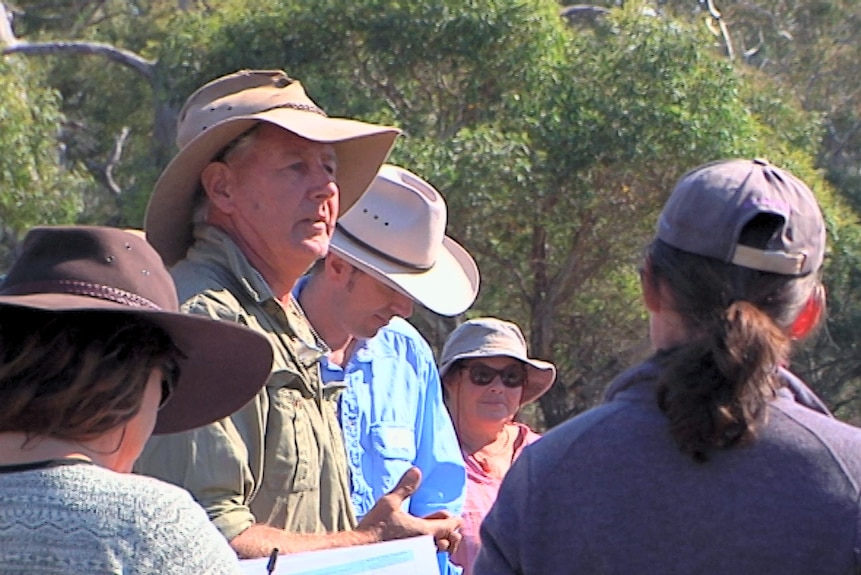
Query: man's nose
x=324, y=186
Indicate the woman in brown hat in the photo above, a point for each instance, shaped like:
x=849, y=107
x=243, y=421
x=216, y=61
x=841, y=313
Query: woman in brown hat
x=487, y=377
x=94, y=358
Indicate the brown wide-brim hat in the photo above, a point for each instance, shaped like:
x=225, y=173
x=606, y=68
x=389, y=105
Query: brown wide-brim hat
x=224, y=109
x=92, y=271
x=489, y=337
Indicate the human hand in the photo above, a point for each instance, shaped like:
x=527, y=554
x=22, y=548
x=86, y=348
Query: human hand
x=388, y=521
x=447, y=541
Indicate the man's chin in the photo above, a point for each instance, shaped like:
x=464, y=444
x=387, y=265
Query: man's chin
x=316, y=247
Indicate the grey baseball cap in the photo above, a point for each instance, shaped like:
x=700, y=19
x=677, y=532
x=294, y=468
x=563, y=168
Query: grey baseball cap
x=711, y=205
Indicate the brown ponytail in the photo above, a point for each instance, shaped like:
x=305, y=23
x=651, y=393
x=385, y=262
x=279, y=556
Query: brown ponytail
x=714, y=389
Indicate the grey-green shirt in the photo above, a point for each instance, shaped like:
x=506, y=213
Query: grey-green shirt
x=280, y=459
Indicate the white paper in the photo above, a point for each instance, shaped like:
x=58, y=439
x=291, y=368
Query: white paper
x=415, y=556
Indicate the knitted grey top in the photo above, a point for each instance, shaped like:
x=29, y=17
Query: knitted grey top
x=86, y=519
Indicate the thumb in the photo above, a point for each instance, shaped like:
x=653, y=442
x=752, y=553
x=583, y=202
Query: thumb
x=407, y=484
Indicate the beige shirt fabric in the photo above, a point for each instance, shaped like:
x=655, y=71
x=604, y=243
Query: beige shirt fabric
x=280, y=460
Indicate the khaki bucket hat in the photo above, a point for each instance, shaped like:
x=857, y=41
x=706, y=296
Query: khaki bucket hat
x=396, y=233
x=489, y=336
x=224, y=109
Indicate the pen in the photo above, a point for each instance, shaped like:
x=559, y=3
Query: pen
x=273, y=557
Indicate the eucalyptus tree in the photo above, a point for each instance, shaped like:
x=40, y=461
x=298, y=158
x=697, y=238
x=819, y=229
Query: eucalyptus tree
x=38, y=184
x=554, y=144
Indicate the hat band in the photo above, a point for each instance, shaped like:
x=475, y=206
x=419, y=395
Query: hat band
x=73, y=287
x=301, y=107
x=376, y=252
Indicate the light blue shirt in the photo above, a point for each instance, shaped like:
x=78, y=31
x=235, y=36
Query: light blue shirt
x=393, y=417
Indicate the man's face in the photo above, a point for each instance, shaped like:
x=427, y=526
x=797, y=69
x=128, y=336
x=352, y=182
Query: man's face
x=369, y=304
x=283, y=200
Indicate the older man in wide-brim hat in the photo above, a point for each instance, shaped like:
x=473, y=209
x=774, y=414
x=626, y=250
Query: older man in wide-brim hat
x=244, y=208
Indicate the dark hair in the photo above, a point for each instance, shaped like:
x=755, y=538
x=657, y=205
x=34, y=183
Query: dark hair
x=75, y=375
x=449, y=376
x=714, y=389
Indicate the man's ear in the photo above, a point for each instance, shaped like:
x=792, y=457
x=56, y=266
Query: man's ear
x=337, y=268
x=810, y=316
x=215, y=179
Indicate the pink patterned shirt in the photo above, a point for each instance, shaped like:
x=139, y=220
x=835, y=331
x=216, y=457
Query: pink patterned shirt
x=481, y=490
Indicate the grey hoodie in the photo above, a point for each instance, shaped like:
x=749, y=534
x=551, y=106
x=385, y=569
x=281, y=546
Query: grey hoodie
x=609, y=492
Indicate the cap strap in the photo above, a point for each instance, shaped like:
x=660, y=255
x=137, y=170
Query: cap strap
x=375, y=251
x=769, y=261
x=74, y=287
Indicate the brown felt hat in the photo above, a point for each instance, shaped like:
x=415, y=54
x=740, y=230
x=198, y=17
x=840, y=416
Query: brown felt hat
x=222, y=110
x=91, y=270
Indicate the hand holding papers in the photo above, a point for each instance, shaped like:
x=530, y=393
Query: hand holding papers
x=416, y=556
x=390, y=522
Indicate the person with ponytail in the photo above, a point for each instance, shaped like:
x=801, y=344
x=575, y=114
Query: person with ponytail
x=710, y=456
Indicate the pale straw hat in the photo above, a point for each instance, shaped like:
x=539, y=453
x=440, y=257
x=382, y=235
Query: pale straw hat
x=224, y=109
x=396, y=233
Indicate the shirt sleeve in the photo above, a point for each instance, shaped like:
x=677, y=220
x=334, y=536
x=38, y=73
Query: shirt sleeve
x=211, y=464
x=438, y=453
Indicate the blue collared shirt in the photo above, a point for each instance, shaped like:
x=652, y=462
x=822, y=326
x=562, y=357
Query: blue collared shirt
x=393, y=417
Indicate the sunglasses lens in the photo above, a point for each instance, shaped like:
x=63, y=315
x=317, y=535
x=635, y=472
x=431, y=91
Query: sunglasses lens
x=481, y=374
x=513, y=376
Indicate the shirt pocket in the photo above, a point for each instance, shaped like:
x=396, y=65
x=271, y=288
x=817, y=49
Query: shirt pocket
x=292, y=454
x=394, y=449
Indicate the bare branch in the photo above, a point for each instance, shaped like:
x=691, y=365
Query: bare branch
x=715, y=13
x=142, y=66
x=112, y=162
x=104, y=171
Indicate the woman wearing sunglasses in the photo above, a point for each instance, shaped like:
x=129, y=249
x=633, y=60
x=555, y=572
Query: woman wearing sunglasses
x=487, y=377
x=95, y=357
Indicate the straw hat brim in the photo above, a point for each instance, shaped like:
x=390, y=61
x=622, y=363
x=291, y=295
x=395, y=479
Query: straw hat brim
x=223, y=368
x=540, y=374
x=448, y=288
x=360, y=150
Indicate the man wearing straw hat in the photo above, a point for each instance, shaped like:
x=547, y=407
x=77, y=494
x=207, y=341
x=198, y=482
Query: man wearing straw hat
x=387, y=252
x=241, y=212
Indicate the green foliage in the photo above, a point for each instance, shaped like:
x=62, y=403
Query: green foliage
x=554, y=145
x=37, y=186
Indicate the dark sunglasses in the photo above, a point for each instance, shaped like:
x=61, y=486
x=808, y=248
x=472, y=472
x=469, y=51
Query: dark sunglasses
x=512, y=375
x=169, y=377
